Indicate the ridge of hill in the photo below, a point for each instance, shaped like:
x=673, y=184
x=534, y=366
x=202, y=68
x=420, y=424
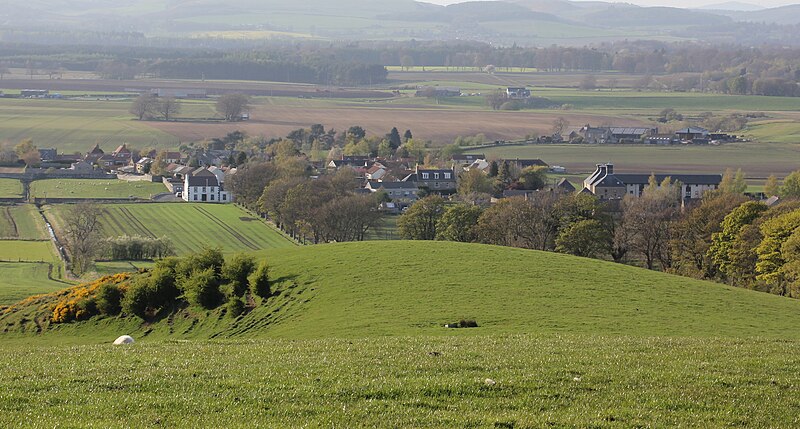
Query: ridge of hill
x=369, y=289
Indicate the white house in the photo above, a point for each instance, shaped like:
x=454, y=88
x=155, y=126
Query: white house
x=203, y=186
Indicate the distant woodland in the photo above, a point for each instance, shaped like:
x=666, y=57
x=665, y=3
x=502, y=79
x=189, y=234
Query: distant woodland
x=764, y=70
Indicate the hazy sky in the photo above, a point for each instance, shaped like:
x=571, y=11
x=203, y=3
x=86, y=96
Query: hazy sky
x=673, y=3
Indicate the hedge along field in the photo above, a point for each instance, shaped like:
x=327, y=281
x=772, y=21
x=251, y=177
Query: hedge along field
x=95, y=189
x=190, y=227
x=10, y=188
x=21, y=222
x=23, y=279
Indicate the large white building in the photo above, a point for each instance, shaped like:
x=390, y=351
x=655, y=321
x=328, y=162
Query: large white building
x=203, y=186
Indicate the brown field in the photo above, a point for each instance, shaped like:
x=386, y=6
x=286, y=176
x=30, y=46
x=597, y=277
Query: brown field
x=440, y=125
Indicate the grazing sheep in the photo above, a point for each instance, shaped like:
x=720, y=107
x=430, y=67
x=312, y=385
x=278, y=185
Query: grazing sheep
x=489, y=382
x=125, y=339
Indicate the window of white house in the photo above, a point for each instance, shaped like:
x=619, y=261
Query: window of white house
x=425, y=175
x=436, y=176
x=224, y=197
x=195, y=197
x=447, y=175
x=212, y=197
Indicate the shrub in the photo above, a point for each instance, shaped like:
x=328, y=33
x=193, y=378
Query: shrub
x=259, y=281
x=204, y=260
x=235, y=307
x=109, y=299
x=202, y=289
x=137, y=298
x=236, y=270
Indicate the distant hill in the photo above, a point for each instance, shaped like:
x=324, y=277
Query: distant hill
x=732, y=6
x=369, y=289
x=784, y=15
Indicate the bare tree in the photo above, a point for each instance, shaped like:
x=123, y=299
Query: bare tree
x=231, y=106
x=649, y=220
x=144, y=106
x=4, y=70
x=81, y=227
x=168, y=107
x=559, y=125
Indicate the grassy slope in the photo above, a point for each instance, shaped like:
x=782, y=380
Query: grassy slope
x=189, y=226
x=94, y=188
x=360, y=344
x=413, y=288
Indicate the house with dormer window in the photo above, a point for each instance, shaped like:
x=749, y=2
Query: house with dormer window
x=437, y=181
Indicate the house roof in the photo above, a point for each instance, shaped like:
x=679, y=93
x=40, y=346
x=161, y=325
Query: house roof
x=96, y=150
x=629, y=131
x=123, y=148
x=202, y=181
x=522, y=163
x=565, y=185
x=692, y=130
x=391, y=185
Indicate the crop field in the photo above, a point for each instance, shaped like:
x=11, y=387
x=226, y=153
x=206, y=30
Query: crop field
x=755, y=159
x=23, y=279
x=21, y=222
x=10, y=188
x=95, y=189
x=584, y=343
x=190, y=227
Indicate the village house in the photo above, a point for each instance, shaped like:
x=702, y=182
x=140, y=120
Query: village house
x=399, y=192
x=606, y=184
x=438, y=181
x=202, y=186
x=377, y=172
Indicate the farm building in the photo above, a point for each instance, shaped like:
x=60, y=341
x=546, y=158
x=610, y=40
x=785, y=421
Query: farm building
x=518, y=93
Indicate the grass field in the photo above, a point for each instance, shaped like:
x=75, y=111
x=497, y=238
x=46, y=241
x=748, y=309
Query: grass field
x=10, y=188
x=27, y=251
x=190, y=227
x=95, y=189
x=21, y=280
x=354, y=337
x=77, y=125
x=754, y=158
x=21, y=222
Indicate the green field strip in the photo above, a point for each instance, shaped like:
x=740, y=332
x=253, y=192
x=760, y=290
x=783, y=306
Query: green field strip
x=23, y=279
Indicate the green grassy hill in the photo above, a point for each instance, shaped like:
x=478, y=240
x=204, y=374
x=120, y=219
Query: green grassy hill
x=354, y=338
x=413, y=288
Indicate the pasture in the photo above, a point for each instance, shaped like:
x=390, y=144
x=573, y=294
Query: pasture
x=190, y=227
x=95, y=189
x=583, y=343
x=21, y=222
x=10, y=188
x=23, y=279
x=77, y=125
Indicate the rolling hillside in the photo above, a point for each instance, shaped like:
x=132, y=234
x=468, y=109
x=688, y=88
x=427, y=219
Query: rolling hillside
x=354, y=338
x=373, y=289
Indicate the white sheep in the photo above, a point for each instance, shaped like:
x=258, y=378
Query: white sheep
x=125, y=339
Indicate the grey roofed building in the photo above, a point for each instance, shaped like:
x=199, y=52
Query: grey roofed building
x=48, y=154
x=607, y=184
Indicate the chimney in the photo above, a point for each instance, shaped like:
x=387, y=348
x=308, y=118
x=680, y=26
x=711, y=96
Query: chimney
x=610, y=168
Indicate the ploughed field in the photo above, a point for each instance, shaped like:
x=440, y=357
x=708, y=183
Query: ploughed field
x=189, y=226
x=353, y=336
